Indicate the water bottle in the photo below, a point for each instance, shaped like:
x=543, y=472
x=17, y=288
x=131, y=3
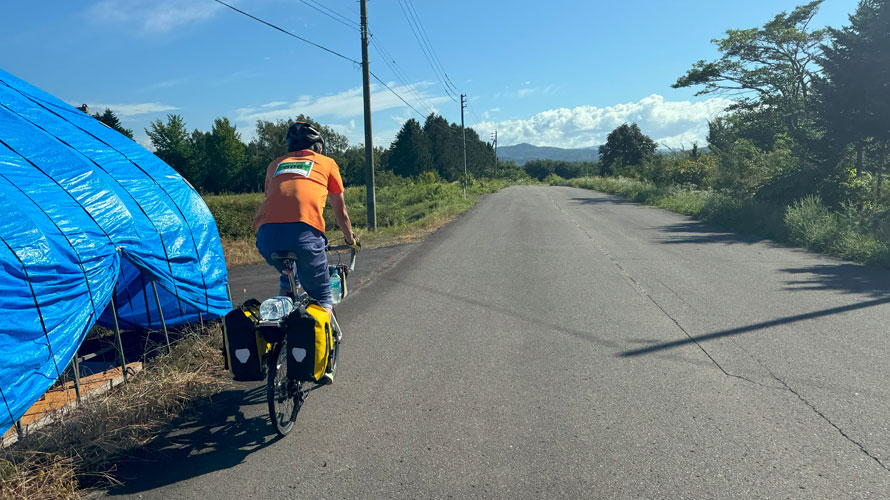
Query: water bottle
x=336, y=289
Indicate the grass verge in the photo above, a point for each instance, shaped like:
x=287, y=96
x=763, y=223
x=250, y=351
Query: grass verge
x=805, y=223
x=79, y=451
x=406, y=211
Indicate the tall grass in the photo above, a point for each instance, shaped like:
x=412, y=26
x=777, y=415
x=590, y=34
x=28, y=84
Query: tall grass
x=406, y=208
x=811, y=225
x=806, y=222
x=81, y=448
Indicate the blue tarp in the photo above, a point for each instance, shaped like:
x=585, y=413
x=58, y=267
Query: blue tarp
x=87, y=214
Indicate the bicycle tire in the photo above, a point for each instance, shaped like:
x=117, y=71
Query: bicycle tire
x=335, y=347
x=280, y=391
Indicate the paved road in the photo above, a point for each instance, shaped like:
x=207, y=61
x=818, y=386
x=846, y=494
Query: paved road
x=556, y=342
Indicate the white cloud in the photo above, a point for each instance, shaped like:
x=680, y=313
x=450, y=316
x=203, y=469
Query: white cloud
x=346, y=104
x=145, y=142
x=344, y=111
x=122, y=110
x=166, y=84
x=525, y=92
x=670, y=123
x=152, y=16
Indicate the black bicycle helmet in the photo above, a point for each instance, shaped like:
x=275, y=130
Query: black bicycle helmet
x=301, y=136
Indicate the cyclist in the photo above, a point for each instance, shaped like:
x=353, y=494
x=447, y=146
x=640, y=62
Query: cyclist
x=290, y=218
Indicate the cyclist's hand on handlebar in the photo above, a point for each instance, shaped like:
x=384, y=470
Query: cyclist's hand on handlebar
x=355, y=243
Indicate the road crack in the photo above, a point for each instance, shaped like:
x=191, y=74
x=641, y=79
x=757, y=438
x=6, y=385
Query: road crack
x=785, y=387
x=825, y=417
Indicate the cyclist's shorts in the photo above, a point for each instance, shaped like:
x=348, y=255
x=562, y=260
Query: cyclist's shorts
x=312, y=262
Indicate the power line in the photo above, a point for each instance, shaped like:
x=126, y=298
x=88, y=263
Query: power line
x=334, y=12
x=396, y=69
x=288, y=32
x=330, y=51
x=476, y=119
x=447, y=129
x=424, y=50
x=324, y=10
x=396, y=94
x=430, y=45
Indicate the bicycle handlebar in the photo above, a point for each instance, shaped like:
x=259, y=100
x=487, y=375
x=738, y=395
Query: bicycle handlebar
x=345, y=247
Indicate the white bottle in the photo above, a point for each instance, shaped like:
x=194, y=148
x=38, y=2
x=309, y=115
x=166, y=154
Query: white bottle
x=336, y=290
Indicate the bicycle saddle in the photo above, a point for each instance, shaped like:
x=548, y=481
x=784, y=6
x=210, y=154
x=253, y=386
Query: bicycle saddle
x=283, y=255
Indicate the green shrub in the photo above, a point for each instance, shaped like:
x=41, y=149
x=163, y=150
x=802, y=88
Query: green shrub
x=234, y=213
x=554, y=180
x=744, y=168
x=810, y=224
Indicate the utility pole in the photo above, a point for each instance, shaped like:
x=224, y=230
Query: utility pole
x=369, y=146
x=463, y=104
x=495, y=153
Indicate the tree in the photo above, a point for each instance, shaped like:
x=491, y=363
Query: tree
x=626, y=145
x=445, y=147
x=853, y=92
x=480, y=154
x=769, y=69
x=410, y=152
x=227, y=159
x=199, y=161
x=109, y=118
x=171, y=142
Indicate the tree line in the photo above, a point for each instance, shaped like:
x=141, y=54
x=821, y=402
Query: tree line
x=218, y=160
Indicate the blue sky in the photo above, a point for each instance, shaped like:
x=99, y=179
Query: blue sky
x=559, y=73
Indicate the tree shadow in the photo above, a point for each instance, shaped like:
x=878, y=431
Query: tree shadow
x=694, y=232
x=842, y=277
x=214, y=435
x=602, y=201
x=845, y=278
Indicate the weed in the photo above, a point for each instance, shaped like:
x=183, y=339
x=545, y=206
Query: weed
x=80, y=450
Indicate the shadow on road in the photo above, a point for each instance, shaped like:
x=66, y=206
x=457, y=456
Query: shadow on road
x=702, y=232
x=215, y=436
x=756, y=326
x=844, y=278
x=602, y=201
x=507, y=312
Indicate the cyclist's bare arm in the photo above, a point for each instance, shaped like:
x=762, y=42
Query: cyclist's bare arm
x=338, y=203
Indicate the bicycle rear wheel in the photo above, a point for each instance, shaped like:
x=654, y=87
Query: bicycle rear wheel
x=285, y=396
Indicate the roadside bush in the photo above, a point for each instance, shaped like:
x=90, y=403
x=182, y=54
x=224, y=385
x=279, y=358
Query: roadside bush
x=511, y=172
x=847, y=235
x=554, y=180
x=810, y=224
x=234, y=213
x=744, y=168
x=697, y=172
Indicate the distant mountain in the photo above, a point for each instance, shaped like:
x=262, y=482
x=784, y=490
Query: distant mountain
x=522, y=153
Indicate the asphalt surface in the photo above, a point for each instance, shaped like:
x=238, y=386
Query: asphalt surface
x=561, y=343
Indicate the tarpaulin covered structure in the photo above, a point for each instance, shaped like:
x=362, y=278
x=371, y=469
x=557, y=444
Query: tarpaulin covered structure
x=87, y=215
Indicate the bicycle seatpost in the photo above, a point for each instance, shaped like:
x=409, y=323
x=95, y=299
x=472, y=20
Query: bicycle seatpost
x=289, y=270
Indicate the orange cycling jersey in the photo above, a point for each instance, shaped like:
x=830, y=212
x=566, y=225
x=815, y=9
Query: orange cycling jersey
x=297, y=186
